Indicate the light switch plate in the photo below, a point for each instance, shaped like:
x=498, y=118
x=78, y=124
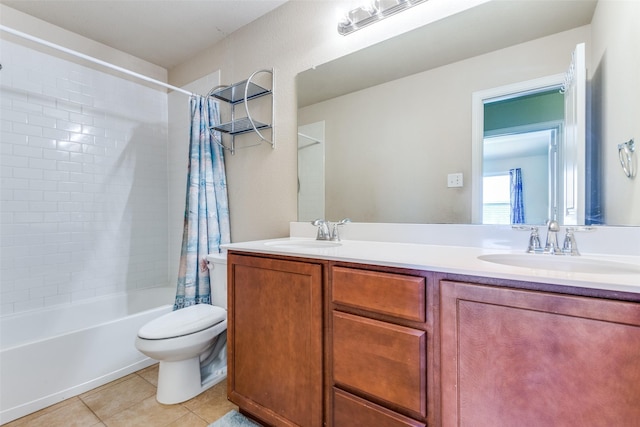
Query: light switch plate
x=454, y=180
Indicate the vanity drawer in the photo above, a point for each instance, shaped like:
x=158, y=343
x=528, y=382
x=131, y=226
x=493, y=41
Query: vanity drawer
x=381, y=360
x=391, y=294
x=351, y=411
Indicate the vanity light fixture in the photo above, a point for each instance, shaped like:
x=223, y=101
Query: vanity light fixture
x=375, y=11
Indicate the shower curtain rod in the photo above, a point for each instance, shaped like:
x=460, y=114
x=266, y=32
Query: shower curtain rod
x=92, y=59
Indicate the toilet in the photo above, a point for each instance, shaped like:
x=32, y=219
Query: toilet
x=190, y=343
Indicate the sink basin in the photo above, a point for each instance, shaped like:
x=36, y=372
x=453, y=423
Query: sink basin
x=303, y=244
x=562, y=263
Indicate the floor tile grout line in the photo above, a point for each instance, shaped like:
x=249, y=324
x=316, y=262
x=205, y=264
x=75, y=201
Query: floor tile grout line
x=110, y=385
x=91, y=410
x=146, y=379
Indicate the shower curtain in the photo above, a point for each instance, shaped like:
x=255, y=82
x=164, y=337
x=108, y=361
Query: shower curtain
x=206, y=217
x=517, y=198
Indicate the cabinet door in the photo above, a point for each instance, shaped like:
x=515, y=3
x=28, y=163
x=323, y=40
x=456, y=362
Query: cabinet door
x=275, y=339
x=513, y=357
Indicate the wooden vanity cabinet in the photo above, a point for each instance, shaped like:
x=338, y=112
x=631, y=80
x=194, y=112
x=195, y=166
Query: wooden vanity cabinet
x=378, y=358
x=313, y=343
x=275, y=350
x=530, y=358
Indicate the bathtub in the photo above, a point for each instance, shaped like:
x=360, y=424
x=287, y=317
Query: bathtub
x=52, y=354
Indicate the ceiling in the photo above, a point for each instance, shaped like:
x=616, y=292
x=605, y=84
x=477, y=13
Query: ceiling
x=162, y=32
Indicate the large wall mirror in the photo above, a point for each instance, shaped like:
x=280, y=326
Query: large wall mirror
x=384, y=130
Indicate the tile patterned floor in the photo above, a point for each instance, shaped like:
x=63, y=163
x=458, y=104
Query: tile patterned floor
x=130, y=402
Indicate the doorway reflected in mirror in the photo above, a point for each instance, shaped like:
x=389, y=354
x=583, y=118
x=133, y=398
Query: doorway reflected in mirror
x=521, y=131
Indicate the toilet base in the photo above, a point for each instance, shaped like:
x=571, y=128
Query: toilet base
x=180, y=381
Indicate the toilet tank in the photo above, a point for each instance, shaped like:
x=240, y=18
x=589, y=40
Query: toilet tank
x=217, y=264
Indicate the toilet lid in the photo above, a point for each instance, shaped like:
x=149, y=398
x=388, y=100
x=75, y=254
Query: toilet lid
x=185, y=321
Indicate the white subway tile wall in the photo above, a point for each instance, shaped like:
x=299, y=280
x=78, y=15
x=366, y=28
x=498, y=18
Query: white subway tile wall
x=83, y=182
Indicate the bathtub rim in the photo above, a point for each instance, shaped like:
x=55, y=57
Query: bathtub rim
x=29, y=402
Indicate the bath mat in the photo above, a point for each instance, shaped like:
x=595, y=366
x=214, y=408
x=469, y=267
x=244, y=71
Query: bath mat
x=234, y=419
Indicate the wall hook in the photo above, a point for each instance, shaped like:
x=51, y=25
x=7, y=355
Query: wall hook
x=626, y=153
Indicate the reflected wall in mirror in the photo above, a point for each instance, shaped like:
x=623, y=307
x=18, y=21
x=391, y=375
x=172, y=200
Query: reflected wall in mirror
x=311, y=194
x=389, y=147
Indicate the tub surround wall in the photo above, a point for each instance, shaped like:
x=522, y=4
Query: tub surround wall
x=84, y=182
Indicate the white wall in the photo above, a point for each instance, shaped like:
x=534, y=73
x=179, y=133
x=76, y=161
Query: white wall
x=616, y=60
x=293, y=38
x=84, y=182
x=302, y=34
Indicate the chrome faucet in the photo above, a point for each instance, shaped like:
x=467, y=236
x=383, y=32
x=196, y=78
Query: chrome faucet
x=323, y=229
x=329, y=230
x=569, y=246
x=552, y=247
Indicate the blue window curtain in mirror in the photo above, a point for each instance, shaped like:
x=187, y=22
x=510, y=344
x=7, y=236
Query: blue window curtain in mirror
x=517, y=199
x=206, y=217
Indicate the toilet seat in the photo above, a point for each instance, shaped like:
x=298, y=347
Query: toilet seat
x=182, y=322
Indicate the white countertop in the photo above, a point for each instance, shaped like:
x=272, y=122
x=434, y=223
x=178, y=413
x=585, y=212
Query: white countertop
x=452, y=259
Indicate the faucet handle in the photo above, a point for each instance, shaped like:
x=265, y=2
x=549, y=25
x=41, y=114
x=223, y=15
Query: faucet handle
x=335, y=234
x=534, y=238
x=343, y=221
x=570, y=247
x=581, y=228
x=534, y=241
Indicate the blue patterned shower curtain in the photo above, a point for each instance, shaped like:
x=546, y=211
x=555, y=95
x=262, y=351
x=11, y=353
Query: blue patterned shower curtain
x=206, y=216
x=517, y=198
